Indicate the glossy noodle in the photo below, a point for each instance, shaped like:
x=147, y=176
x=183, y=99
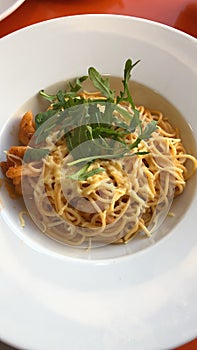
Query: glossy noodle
x=130, y=196
x=89, y=181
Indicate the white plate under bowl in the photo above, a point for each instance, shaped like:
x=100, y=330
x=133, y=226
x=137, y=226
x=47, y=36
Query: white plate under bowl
x=9, y=6
x=123, y=297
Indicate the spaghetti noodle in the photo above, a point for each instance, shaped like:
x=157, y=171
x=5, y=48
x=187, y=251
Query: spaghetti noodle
x=131, y=195
x=114, y=198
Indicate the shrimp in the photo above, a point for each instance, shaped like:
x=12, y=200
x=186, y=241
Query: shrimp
x=14, y=173
x=26, y=128
x=15, y=154
x=14, y=157
x=12, y=167
x=18, y=151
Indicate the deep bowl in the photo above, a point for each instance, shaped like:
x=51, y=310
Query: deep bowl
x=167, y=67
x=142, y=294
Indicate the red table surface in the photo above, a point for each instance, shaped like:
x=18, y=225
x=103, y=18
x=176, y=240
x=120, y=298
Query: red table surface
x=180, y=14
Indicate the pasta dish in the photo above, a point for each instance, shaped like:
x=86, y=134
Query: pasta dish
x=94, y=168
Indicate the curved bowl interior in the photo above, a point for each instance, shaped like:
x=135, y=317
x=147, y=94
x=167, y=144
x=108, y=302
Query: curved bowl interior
x=168, y=67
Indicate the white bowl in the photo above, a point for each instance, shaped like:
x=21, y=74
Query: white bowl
x=47, y=53
x=9, y=6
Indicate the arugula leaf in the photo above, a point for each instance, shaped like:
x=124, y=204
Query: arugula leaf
x=135, y=143
x=92, y=129
x=62, y=100
x=77, y=136
x=149, y=129
x=135, y=121
x=126, y=114
x=34, y=154
x=125, y=95
x=50, y=98
x=42, y=117
x=101, y=84
x=104, y=156
x=82, y=174
x=77, y=84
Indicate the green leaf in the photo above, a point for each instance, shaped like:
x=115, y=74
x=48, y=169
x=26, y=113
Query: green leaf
x=135, y=121
x=92, y=129
x=101, y=84
x=83, y=173
x=77, y=84
x=50, y=98
x=127, y=72
x=149, y=129
x=112, y=154
x=125, y=94
x=126, y=114
x=135, y=143
x=89, y=173
x=77, y=136
x=61, y=97
x=35, y=154
x=42, y=117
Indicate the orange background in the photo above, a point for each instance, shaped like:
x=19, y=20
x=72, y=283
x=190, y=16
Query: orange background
x=180, y=14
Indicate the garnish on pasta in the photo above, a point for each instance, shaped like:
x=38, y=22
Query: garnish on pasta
x=96, y=169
